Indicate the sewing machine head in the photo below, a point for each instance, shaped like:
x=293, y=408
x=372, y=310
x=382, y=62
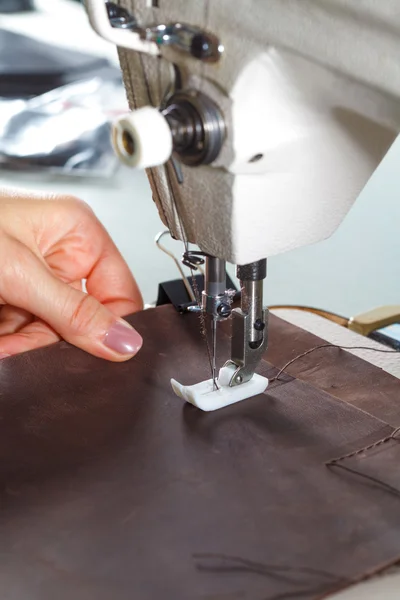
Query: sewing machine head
x=284, y=116
x=259, y=123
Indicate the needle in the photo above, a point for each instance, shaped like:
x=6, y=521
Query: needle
x=214, y=352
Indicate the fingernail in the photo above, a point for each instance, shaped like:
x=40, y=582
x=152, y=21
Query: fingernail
x=122, y=338
x=2, y=355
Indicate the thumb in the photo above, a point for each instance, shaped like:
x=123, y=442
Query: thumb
x=77, y=317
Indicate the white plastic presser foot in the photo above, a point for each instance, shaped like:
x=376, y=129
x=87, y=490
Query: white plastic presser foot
x=204, y=396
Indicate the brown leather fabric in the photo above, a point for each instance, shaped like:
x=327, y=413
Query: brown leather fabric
x=339, y=373
x=378, y=464
x=112, y=488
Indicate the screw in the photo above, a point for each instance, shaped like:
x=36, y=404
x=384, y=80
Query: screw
x=259, y=325
x=224, y=310
x=239, y=379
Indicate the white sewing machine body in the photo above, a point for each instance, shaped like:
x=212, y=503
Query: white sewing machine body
x=310, y=97
x=259, y=125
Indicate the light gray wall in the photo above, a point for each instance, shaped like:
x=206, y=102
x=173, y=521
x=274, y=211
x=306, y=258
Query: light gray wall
x=358, y=268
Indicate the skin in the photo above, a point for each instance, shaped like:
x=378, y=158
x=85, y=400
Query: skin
x=48, y=245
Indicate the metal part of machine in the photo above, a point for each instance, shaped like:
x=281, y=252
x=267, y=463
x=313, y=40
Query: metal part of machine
x=113, y=22
x=249, y=324
x=193, y=40
x=197, y=127
x=191, y=126
x=237, y=379
x=216, y=298
x=216, y=302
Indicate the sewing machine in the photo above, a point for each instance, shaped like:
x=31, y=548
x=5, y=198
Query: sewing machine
x=259, y=127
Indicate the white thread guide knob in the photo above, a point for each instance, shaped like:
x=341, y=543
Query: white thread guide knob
x=143, y=138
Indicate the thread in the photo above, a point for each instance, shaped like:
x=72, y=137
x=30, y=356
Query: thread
x=337, y=462
x=299, y=356
x=287, y=574
x=370, y=447
x=383, y=484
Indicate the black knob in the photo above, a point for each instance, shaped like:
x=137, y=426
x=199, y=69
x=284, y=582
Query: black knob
x=201, y=46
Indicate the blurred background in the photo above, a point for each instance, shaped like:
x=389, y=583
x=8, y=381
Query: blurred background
x=61, y=86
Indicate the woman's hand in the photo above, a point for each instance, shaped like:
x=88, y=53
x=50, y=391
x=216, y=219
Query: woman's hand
x=47, y=247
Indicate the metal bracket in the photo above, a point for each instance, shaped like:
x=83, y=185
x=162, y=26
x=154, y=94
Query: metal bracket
x=243, y=356
x=120, y=36
x=117, y=25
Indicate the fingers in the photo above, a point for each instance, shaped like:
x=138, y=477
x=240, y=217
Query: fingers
x=33, y=335
x=12, y=319
x=86, y=250
x=77, y=317
x=110, y=280
x=113, y=284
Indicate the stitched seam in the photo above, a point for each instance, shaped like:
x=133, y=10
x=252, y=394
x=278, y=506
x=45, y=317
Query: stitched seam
x=366, y=448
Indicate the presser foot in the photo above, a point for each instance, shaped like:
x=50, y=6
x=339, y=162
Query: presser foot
x=204, y=396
